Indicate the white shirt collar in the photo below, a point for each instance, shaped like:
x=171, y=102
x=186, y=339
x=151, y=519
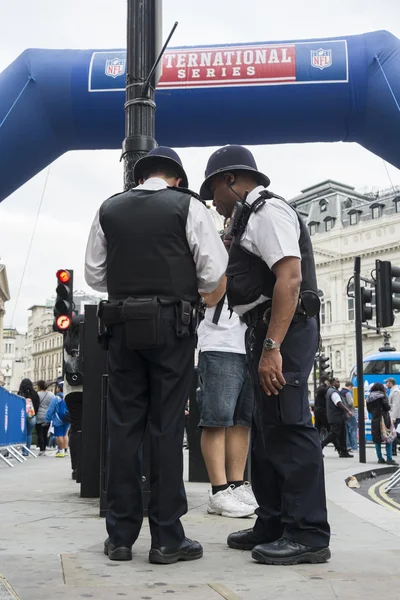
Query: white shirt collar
x=254, y=194
x=153, y=183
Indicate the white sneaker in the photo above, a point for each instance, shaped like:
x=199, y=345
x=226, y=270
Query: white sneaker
x=245, y=494
x=227, y=504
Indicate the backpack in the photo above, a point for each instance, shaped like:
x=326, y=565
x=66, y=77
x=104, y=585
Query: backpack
x=30, y=411
x=62, y=411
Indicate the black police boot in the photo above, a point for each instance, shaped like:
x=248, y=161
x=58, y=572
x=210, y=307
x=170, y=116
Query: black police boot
x=245, y=539
x=287, y=552
x=346, y=455
x=117, y=553
x=167, y=555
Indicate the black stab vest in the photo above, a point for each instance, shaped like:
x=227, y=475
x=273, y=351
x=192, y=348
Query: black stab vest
x=249, y=277
x=147, y=249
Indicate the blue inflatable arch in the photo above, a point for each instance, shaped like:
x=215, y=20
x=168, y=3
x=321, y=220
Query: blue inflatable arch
x=325, y=90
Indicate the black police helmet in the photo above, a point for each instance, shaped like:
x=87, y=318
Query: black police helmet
x=158, y=155
x=227, y=159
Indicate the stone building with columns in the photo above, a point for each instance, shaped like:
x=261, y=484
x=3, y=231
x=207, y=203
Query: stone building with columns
x=344, y=223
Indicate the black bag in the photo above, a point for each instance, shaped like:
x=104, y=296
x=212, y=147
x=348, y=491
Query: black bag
x=142, y=317
x=72, y=373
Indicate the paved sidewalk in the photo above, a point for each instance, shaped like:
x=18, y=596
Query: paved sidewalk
x=51, y=544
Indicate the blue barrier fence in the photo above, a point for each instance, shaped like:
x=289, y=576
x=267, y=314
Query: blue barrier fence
x=12, y=419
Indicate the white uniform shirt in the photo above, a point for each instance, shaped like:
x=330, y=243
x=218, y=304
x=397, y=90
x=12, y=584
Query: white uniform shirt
x=336, y=398
x=272, y=233
x=209, y=253
x=226, y=336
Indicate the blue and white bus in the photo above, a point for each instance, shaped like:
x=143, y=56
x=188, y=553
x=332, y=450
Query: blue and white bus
x=377, y=368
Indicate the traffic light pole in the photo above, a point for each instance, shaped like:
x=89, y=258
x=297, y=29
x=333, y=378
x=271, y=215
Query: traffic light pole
x=359, y=358
x=143, y=48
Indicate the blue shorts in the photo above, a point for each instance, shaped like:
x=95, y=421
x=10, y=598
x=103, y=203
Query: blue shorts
x=61, y=430
x=225, y=394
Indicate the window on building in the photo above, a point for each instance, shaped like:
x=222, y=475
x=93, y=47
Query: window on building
x=354, y=217
x=376, y=211
x=323, y=205
x=397, y=204
x=350, y=304
x=313, y=227
x=322, y=311
x=329, y=224
x=328, y=311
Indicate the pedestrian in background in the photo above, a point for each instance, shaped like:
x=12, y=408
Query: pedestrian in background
x=57, y=414
x=394, y=401
x=379, y=407
x=42, y=427
x=350, y=423
x=32, y=406
x=337, y=413
x=321, y=419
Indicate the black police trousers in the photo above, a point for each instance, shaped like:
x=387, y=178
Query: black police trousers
x=287, y=465
x=147, y=388
x=336, y=436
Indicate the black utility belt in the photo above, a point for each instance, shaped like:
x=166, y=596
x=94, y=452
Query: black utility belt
x=142, y=318
x=308, y=306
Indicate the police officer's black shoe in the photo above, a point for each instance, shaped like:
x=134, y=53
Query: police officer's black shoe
x=245, y=539
x=346, y=455
x=117, y=553
x=287, y=552
x=167, y=555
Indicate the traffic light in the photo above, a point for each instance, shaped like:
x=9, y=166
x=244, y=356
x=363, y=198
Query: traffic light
x=386, y=303
x=366, y=308
x=64, y=305
x=324, y=372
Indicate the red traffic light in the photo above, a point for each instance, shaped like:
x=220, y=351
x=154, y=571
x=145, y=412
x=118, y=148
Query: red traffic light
x=63, y=275
x=63, y=322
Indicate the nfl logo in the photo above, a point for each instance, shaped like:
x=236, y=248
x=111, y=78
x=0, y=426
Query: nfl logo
x=115, y=67
x=320, y=59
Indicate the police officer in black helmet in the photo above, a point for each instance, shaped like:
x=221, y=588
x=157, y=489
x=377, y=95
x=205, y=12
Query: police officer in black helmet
x=154, y=249
x=272, y=286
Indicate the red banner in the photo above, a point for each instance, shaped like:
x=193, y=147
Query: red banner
x=240, y=65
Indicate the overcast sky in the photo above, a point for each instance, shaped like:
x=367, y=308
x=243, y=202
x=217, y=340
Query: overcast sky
x=78, y=182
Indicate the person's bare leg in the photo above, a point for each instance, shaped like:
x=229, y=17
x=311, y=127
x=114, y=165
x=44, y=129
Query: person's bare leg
x=213, y=449
x=236, y=450
x=60, y=442
x=66, y=441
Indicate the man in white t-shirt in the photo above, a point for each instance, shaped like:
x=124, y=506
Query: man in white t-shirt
x=225, y=401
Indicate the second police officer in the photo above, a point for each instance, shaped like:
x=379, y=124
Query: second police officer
x=154, y=249
x=272, y=286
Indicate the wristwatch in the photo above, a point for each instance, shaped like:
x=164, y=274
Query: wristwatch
x=269, y=344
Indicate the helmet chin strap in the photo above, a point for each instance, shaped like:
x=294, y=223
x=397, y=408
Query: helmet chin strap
x=230, y=186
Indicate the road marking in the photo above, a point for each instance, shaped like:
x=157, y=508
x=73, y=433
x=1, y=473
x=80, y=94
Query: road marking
x=223, y=591
x=376, y=498
x=6, y=591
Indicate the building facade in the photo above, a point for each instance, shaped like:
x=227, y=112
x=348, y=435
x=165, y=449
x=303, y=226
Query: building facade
x=13, y=362
x=344, y=223
x=44, y=346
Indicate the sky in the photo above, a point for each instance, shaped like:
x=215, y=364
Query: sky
x=78, y=182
